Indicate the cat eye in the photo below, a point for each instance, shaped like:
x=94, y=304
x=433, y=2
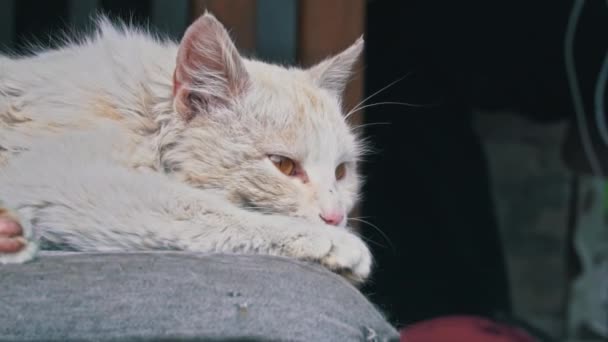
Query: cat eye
x=340, y=171
x=286, y=165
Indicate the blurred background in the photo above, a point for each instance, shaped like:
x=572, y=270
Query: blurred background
x=486, y=194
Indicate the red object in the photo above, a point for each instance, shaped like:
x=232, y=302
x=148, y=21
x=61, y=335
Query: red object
x=463, y=328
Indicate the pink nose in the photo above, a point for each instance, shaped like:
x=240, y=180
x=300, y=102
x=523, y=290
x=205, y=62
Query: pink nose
x=334, y=218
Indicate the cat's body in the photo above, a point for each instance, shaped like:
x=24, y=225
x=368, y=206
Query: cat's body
x=123, y=142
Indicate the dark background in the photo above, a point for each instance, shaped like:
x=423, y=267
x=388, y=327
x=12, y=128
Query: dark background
x=428, y=187
x=430, y=182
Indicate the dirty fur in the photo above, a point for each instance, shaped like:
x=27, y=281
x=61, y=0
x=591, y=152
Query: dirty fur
x=123, y=141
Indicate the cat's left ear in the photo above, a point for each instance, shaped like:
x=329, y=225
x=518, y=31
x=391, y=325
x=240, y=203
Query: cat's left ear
x=209, y=70
x=334, y=73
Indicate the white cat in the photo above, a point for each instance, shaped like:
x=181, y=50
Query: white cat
x=126, y=142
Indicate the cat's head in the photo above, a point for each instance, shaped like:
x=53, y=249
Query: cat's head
x=274, y=138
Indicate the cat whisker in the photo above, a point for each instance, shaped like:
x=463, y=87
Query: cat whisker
x=370, y=124
x=370, y=240
x=406, y=104
x=378, y=92
x=359, y=219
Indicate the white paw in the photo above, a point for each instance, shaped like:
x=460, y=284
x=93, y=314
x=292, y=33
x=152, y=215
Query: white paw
x=338, y=249
x=16, y=240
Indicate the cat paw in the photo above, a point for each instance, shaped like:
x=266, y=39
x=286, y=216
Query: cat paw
x=339, y=250
x=349, y=256
x=15, y=244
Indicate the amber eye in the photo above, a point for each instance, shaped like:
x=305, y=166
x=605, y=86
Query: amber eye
x=284, y=164
x=340, y=171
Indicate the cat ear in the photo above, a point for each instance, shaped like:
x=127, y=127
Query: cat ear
x=333, y=73
x=209, y=70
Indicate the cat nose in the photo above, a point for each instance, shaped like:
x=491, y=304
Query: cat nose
x=333, y=218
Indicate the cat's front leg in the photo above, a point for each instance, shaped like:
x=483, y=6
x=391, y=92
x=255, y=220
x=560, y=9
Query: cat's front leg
x=16, y=239
x=242, y=231
x=336, y=248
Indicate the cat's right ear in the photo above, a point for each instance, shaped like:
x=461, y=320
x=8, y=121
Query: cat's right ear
x=209, y=70
x=333, y=73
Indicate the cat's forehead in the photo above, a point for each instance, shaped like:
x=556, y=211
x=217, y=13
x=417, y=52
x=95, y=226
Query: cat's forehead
x=290, y=95
x=301, y=114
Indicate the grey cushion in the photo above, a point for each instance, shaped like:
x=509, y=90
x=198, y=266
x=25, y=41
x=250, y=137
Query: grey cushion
x=168, y=295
